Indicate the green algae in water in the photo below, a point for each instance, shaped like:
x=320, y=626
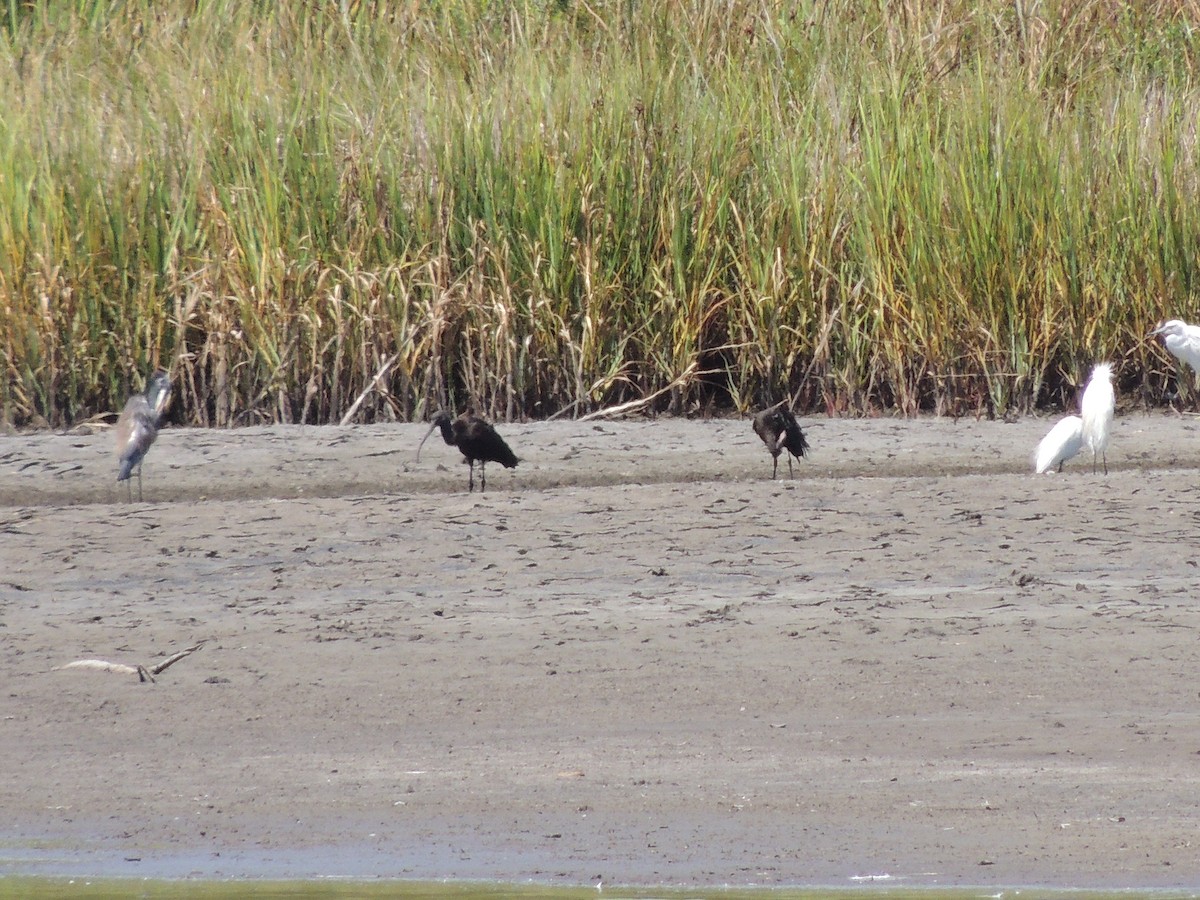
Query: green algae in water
x=21, y=888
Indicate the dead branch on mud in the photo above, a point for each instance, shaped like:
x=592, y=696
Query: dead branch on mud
x=371, y=385
x=144, y=673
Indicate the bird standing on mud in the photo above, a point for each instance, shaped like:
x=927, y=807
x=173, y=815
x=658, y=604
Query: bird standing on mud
x=1099, y=401
x=476, y=439
x=1063, y=442
x=779, y=431
x=138, y=427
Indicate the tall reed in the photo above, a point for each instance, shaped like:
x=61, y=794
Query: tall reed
x=547, y=207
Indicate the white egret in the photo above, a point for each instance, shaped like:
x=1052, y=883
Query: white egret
x=1183, y=342
x=1097, y=407
x=1063, y=442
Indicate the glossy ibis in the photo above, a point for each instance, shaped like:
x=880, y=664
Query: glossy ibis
x=476, y=439
x=778, y=429
x=138, y=427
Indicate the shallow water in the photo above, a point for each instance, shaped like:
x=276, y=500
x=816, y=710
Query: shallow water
x=121, y=889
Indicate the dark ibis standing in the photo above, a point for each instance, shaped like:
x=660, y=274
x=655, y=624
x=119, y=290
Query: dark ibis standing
x=476, y=439
x=138, y=427
x=778, y=429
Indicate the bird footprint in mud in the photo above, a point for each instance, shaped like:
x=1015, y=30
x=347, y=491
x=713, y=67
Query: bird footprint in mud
x=723, y=614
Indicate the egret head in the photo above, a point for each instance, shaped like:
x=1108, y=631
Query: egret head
x=1171, y=328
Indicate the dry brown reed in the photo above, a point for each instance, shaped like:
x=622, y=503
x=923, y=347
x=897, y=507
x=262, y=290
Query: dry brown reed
x=545, y=208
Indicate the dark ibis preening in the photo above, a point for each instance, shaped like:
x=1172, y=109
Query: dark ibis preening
x=476, y=439
x=778, y=429
x=138, y=427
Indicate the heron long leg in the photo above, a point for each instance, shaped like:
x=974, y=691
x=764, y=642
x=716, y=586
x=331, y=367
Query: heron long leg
x=774, y=467
x=791, y=474
x=471, y=477
x=139, y=482
x=482, y=477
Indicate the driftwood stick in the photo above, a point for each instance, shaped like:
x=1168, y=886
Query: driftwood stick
x=372, y=385
x=622, y=408
x=144, y=673
x=171, y=660
x=102, y=665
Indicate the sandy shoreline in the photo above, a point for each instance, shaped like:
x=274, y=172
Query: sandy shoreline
x=635, y=658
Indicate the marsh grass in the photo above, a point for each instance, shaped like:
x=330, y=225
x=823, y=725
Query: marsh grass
x=543, y=208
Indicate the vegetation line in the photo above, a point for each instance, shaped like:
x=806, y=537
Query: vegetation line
x=311, y=212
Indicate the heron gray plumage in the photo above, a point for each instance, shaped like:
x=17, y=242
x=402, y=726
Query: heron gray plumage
x=779, y=431
x=137, y=428
x=476, y=439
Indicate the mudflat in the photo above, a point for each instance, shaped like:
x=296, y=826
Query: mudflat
x=636, y=658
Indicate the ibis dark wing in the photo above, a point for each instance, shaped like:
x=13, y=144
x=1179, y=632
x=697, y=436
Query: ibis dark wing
x=497, y=450
x=479, y=440
x=794, y=441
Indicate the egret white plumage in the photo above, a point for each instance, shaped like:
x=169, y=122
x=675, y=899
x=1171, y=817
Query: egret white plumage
x=1063, y=442
x=138, y=427
x=1182, y=341
x=1099, y=402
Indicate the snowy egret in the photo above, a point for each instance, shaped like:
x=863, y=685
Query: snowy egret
x=1097, y=407
x=1063, y=442
x=1183, y=342
x=138, y=427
